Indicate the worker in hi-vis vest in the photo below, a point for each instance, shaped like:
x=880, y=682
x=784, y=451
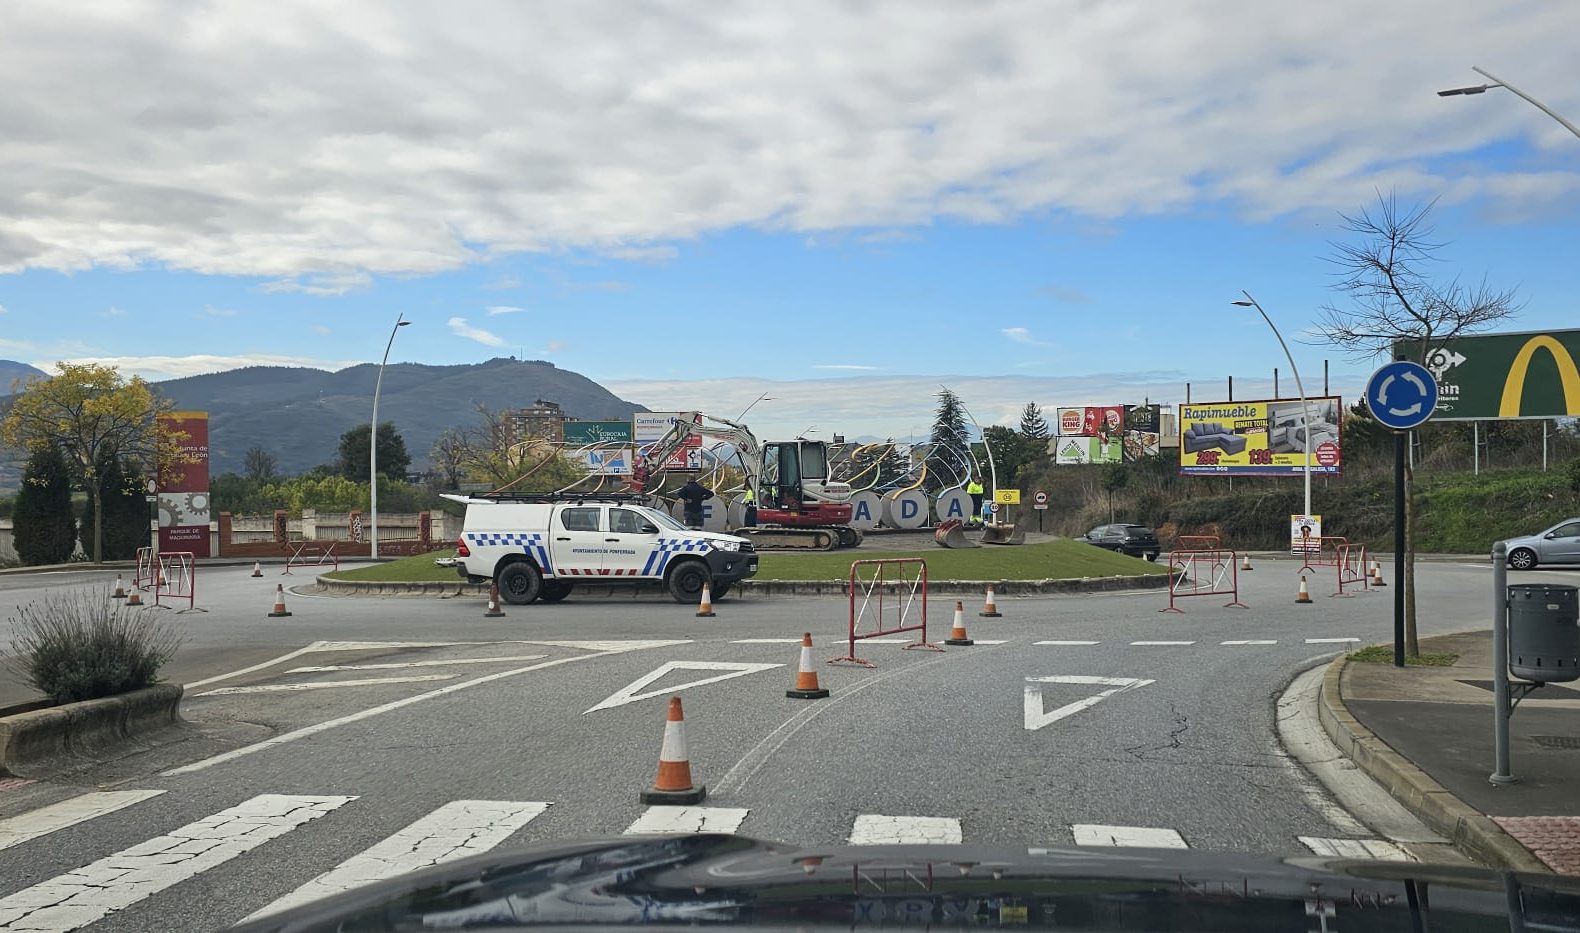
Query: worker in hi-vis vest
x=750, y=501
x=974, y=489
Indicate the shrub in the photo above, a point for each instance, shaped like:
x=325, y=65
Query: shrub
x=80, y=645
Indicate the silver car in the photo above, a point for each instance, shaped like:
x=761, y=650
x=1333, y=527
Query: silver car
x=1559, y=544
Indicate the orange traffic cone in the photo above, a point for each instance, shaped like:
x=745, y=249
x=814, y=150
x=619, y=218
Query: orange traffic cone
x=120, y=591
x=257, y=568
x=806, y=687
x=989, y=609
x=494, y=612
x=810, y=863
x=957, y=635
x=1377, y=579
x=705, y=608
x=279, y=611
x=1245, y=562
x=673, y=784
x=133, y=598
x=1304, y=596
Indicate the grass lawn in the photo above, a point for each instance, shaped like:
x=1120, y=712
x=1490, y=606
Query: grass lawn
x=1383, y=654
x=1050, y=560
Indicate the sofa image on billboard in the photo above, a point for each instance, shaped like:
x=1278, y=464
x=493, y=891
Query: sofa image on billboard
x=1208, y=434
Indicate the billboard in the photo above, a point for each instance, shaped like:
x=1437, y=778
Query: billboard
x=582, y=433
x=1070, y=450
x=611, y=461
x=1262, y=438
x=1531, y=374
x=1091, y=421
x=183, y=493
x=1143, y=435
x=649, y=427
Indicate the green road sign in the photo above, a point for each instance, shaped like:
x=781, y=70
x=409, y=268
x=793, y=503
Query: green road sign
x=1492, y=376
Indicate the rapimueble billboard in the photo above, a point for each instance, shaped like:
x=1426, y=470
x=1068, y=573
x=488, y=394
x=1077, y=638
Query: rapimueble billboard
x=1261, y=438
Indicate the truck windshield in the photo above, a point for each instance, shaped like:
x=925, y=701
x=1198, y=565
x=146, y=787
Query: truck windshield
x=662, y=520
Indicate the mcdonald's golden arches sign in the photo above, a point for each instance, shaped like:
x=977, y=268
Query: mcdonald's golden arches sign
x=1525, y=375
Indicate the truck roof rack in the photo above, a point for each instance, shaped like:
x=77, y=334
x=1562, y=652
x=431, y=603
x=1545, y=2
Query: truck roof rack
x=553, y=497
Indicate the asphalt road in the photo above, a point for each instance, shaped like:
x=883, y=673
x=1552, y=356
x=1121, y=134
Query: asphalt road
x=556, y=713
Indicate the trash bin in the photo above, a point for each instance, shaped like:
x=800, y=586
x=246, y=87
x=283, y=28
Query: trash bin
x=1544, y=632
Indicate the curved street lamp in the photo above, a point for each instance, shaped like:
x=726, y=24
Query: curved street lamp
x=373, y=444
x=1305, y=407
x=1499, y=82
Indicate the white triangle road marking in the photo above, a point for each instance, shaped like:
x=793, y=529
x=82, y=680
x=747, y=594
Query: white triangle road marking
x=1036, y=717
x=324, y=684
x=630, y=694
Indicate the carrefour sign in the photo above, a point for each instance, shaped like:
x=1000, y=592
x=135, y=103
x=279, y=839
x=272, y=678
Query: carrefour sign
x=1522, y=375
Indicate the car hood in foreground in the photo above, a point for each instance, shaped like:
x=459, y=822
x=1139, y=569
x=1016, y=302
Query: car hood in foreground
x=732, y=881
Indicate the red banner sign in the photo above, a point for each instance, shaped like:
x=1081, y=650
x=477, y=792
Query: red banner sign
x=184, y=486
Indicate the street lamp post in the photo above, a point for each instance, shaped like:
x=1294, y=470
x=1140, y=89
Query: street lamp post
x=1305, y=406
x=1499, y=82
x=373, y=444
x=765, y=397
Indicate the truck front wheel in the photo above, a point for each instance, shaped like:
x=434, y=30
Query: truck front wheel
x=686, y=581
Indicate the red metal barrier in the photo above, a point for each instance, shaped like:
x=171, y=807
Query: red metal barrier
x=301, y=550
x=1325, y=554
x=143, y=576
x=1199, y=543
x=1351, y=565
x=907, y=578
x=176, y=580
x=1203, y=573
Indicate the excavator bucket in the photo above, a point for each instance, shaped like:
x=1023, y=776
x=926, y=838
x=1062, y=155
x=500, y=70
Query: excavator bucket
x=952, y=534
x=1002, y=534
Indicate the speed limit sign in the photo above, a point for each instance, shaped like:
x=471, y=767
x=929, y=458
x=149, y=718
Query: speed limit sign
x=993, y=507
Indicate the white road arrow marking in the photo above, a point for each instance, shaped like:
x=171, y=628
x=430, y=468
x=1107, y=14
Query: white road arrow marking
x=630, y=694
x=1036, y=717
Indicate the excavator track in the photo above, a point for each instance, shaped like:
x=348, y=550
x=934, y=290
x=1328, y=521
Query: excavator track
x=789, y=538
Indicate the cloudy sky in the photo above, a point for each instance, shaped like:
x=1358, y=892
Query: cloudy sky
x=841, y=205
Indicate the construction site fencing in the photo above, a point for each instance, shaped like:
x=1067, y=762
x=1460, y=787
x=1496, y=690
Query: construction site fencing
x=1212, y=572
x=1199, y=543
x=1325, y=554
x=1352, y=569
x=887, y=597
x=147, y=567
x=303, y=552
x=175, y=580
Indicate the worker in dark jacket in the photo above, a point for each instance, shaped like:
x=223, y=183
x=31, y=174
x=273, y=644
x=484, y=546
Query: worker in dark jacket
x=693, y=494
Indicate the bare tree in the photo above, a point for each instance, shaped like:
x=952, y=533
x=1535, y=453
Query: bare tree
x=449, y=453
x=1395, y=306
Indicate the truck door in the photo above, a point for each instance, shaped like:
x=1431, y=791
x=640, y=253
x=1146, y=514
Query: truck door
x=578, y=540
x=627, y=546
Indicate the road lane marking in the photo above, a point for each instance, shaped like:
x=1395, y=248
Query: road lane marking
x=1034, y=715
x=79, y=809
x=671, y=820
x=872, y=641
x=398, y=665
x=1355, y=848
x=455, y=830
x=325, y=684
x=629, y=694
x=336, y=646
x=873, y=829
x=92, y=892
x=991, y=641
x=1331, y=641
x=1136, y=644
x=1253, y=641
x=766, y=641
x=1069, y=644
x=369, y=713
x=1144, y=837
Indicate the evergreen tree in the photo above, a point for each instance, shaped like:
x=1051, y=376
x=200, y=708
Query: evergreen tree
x=45, y=530
x=949, y=455
x=1032, y=424
x=394, y=461
x=126, y=512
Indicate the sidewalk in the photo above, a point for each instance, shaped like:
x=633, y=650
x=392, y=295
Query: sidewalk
x=1425, y=733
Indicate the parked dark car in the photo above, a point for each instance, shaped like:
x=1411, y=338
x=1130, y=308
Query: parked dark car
x=1135, y=540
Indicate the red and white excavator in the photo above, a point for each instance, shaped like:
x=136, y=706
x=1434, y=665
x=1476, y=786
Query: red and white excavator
x=798, y=504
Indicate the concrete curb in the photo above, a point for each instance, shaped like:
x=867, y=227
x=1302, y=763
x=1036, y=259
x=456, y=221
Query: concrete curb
x=1472, y=831
x=783, y=587
x=83, y=728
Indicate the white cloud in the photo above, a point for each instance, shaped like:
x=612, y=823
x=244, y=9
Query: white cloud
x=855, y=366
x=1022, y=335
x=643, y=253
x=3, y=310
x=155, y=368
x=115, y=312
x=322, y=330
x=460, y=328
x=212, y=311
x=555, y=346
x=504, y=309
x=577, y=130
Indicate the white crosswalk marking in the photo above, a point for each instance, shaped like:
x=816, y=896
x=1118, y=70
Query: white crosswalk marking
x=1356, y=848
x=78, y=809
x=457, y=829
x=665, y=820
x=1253, y=641
x=873, y=829
x=1146, y=837
x=90, y=893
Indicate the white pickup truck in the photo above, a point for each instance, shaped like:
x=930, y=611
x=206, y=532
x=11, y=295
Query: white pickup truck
x=540, y=547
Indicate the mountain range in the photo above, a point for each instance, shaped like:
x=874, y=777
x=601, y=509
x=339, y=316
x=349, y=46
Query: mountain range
x=298, y=413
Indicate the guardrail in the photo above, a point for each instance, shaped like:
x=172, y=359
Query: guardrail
x=909, y=583
x=1212, y=572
